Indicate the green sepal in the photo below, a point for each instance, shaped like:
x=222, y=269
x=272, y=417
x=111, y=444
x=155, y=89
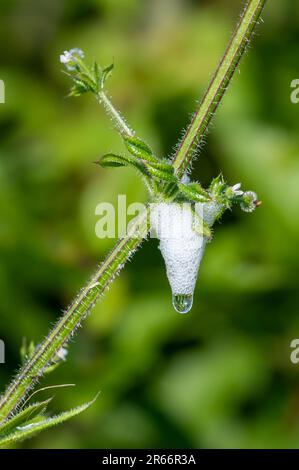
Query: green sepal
x=165, y=167
x=113, y=160
x=97, y=72
x=139, y=148
x=162, y=171
x=88, y=79
x=79, y=88
x=51, y=368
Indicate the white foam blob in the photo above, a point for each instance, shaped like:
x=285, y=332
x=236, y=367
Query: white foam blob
x=182, y=248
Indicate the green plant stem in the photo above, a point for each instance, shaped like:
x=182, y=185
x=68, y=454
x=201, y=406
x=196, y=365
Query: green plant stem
x=218, y=86
x=124, y=248
x=72, y=318
x=117, y=119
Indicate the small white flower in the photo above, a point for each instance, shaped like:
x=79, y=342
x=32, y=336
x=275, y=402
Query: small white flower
x=76, y=51
x=65, y=57
x=236, y=189
x=62, y=353
x=68, y=58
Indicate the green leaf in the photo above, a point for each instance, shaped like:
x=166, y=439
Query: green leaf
x=194, y=192
x=26, y=431
x=139, y=148
x=161, y=174
x=28, y=414
x=97, y=73
x=113, y=160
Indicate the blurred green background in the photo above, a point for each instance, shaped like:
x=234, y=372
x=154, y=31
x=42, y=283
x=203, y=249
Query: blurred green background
x=220, y=376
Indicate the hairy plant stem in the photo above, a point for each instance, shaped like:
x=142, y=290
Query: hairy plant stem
x=218, y=86
x=115, y=116
x=72, y=318
x=124, y=248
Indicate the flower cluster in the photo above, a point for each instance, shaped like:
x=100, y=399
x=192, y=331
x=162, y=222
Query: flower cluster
x=227, y=195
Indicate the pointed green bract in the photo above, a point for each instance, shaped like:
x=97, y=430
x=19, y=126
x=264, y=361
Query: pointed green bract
x=24, y=416
x=194, y=192
x=113, y=160
x=227, y=68
x=30, y=429
x=105, y=74
x=217, y=186
x=161, y=174
x=88, y=78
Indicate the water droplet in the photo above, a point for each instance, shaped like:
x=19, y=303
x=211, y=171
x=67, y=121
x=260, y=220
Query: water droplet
x=182, y=303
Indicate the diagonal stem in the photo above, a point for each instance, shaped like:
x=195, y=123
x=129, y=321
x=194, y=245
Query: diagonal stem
x=117, y=119
x=218, y=85
x=75, y=314
x=124, y=248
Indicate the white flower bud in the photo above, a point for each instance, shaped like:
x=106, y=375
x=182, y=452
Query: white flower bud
x=182, y=248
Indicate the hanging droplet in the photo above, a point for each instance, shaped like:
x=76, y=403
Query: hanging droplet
x=182, y=303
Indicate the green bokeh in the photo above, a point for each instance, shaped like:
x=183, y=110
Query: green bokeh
x=220, y=376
